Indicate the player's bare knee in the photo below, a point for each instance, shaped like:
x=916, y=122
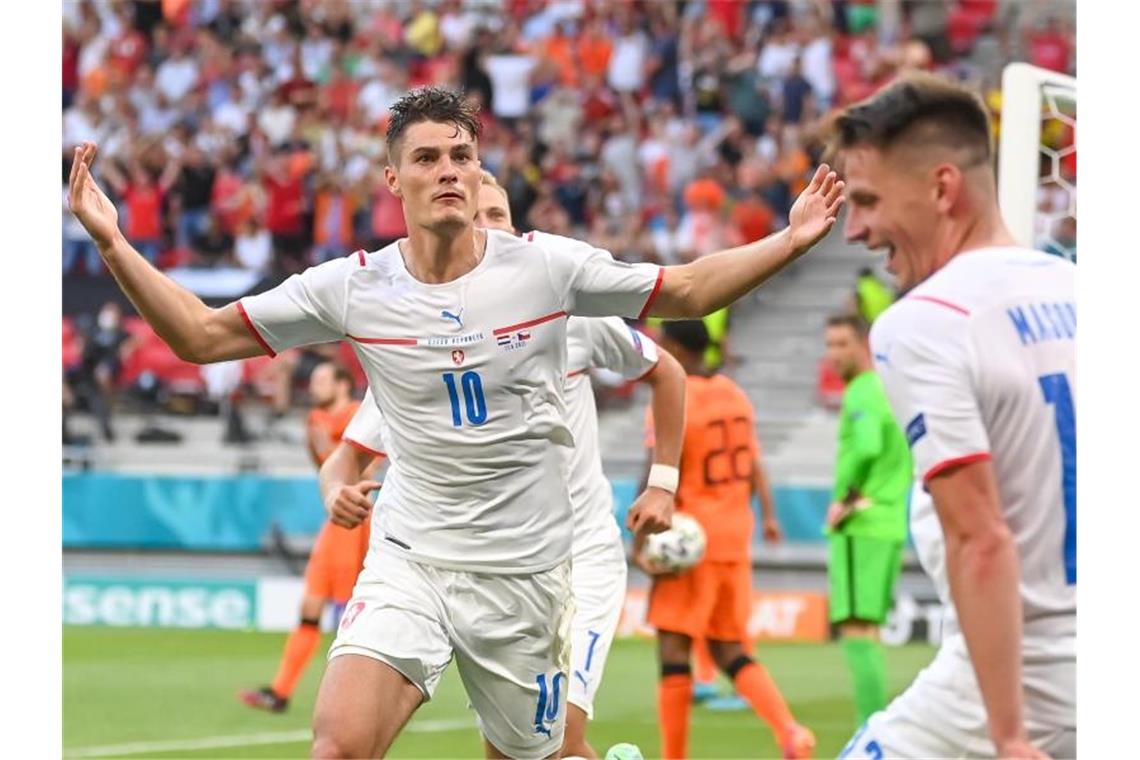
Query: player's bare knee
x=328, y=746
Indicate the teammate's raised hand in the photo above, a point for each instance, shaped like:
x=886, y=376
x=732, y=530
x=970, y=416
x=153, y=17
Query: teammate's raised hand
x=88, y=202
x=651, y=513
x=815, y=210
x=349, y=505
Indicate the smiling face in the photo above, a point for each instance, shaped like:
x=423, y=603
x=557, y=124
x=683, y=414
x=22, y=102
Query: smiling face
x=894, y=208
x=436, y=174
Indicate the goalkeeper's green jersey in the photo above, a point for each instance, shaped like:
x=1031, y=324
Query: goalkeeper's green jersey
x=873, y=460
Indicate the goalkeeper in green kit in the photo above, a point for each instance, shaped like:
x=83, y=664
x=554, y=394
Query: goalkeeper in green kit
x=866, y=522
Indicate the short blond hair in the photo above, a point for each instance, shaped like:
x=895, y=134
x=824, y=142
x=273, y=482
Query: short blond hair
x=490, y=181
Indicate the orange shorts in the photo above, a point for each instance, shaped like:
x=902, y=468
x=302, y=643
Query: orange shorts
x=712, y=601
x=336, y=560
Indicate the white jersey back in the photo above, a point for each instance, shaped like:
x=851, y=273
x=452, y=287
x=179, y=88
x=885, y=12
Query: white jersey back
x=606, y=344
x=979, y=362
x=468, y=376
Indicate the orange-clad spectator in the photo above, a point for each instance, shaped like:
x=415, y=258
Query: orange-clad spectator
x=753, y=217
x=333, y=211
x=704, y=194
x=558, y=48
x=176, y=12
x=594, y=50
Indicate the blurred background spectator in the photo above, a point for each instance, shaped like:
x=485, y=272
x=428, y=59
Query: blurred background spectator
x=244, y=139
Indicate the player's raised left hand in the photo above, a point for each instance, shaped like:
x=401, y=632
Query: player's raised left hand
x=651, y=513
x=88, y=202
x=816, y=209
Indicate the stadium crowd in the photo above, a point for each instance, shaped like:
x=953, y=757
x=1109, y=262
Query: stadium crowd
x=249, y=134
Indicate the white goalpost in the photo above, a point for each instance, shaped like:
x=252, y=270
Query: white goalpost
x=1036, y=158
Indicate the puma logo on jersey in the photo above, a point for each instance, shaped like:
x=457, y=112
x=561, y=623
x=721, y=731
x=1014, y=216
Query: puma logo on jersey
x=457, y=318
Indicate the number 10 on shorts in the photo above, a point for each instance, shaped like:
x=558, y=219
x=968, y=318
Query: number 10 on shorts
x=549, y=701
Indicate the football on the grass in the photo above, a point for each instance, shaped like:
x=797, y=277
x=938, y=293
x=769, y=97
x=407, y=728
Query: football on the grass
x=678, y=548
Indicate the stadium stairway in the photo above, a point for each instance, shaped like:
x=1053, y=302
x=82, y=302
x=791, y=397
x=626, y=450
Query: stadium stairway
x=778, y=334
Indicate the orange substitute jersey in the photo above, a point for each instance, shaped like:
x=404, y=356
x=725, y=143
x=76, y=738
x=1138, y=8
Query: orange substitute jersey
x=330, y=423
x=717, y=457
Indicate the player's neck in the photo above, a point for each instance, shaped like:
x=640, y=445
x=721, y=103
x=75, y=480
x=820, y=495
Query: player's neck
x=433, y=258
x=983, y=231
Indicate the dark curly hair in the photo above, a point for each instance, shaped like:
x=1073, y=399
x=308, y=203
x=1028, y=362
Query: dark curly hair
x=436, y=104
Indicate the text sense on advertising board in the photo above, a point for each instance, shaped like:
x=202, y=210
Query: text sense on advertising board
x=159, y=603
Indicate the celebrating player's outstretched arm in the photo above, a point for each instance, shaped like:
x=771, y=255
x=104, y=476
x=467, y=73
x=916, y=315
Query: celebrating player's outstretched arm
x=717, y=280
x=192, y=329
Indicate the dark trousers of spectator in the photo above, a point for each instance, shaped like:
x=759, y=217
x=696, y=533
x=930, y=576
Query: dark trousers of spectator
x=289, y=251
x=83, y=250
x=191, y=224
x=149, y=249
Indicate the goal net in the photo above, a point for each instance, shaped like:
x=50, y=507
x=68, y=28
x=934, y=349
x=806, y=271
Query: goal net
x=1037, y=158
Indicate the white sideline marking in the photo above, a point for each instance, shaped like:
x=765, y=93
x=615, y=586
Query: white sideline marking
x=242, y=740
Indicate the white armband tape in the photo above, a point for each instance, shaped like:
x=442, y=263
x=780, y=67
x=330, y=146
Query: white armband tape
x=663, y=476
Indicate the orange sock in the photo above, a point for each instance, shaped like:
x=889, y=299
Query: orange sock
x=758, y=689
x=299, y=648
x=704, y=669
x=674, y=696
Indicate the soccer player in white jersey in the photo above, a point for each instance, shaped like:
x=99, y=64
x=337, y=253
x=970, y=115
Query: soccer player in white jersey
x=978, y=363
x=598, y=577
x=462, y=334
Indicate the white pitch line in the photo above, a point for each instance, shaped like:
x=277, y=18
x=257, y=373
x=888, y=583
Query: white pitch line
x=242, y=740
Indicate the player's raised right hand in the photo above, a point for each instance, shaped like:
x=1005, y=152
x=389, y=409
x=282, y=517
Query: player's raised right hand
x=349, y=505
x=88, y=202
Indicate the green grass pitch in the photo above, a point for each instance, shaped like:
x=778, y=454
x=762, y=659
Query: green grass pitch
x=172, y=693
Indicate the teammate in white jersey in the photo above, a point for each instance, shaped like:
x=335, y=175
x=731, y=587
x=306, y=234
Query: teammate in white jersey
x=598, y=577
x=462, y=335
x=978, y=363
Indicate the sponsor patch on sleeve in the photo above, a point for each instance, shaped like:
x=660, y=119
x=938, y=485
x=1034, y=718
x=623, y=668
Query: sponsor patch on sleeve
x=915, y=429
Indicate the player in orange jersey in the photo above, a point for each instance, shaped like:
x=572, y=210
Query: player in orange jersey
x=338, y=553
x=720, y=471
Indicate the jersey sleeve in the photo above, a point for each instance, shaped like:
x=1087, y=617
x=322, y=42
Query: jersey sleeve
x=619, y=347
x=365, y=430
x=307, y=308
x=923, y=355
x=595, y=284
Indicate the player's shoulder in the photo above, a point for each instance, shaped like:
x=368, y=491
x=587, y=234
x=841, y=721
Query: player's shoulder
x=385, y=261
x=556, y=244
x=727, y=389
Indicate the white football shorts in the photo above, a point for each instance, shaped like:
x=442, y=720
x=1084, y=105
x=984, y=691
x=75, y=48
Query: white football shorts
x=941, y=715
x=509, y=635
x=599, y=581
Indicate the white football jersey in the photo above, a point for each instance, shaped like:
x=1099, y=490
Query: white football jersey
x=979, y=363
x=468, y=376
x=606, y=344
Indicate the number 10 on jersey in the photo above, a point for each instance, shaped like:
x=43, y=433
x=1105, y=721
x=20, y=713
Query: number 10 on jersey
x=471, y=387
